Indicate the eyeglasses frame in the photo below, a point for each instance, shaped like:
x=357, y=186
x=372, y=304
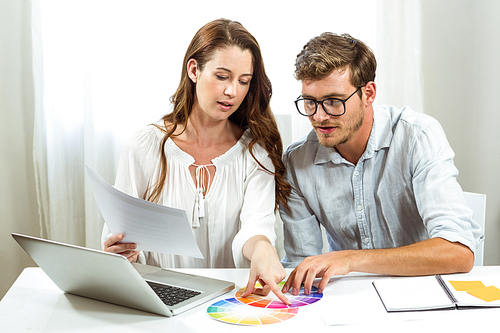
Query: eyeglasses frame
x=300, y=98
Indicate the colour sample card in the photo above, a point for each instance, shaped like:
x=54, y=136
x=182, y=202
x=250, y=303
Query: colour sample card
x=477, y=289
x=232, y=311
x=487, y=294
x=273, y=302
x=466, y=285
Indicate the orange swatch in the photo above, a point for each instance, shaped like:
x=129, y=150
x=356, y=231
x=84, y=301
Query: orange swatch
x=466, y=285
x=487, y=294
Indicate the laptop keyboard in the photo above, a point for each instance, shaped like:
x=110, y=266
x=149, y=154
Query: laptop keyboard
x=171, y=295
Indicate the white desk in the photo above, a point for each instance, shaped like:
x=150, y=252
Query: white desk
x=35, y=304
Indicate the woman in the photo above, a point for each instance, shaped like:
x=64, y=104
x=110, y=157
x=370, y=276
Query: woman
x=217, y=156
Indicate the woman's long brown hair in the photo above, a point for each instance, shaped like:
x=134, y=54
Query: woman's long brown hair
x=254, y=112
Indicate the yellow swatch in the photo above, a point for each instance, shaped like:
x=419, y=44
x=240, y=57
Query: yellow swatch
x=487, y=294
x=466, y=285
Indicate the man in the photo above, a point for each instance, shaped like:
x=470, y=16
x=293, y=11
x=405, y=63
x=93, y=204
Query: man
x=381, y=180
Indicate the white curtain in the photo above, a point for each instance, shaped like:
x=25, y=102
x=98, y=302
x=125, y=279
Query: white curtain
x=399, y=53
x=104, y=69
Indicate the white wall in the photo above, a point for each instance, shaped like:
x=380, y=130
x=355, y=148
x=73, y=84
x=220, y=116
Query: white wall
x=461, y=72
x=18, y=205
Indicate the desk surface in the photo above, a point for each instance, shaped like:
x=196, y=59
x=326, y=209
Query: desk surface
x=35, y=304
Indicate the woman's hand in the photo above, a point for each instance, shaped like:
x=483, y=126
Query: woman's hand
x=113, y=245
x=265, y=268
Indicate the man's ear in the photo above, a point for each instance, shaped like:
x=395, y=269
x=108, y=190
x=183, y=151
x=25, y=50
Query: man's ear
x=192, y=70
x=370, y=92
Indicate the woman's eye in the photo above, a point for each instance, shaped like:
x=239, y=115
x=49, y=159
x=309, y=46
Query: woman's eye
x=220, y=77
x=245, y=83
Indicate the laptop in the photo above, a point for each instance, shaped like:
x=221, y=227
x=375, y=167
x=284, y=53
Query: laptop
x=110, y=277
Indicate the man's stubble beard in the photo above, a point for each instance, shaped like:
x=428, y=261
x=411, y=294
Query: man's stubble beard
x=349, y=130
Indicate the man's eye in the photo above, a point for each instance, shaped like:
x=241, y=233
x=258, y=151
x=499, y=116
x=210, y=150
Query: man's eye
x=331, y=102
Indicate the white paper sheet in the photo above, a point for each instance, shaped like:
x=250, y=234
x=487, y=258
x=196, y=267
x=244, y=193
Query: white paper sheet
x=151, y=226
x=352, y=300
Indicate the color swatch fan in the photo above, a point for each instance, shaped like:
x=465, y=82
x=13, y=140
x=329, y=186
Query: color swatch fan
x=272, y=302
x=234, y=312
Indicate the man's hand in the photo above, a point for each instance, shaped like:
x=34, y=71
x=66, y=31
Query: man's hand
x=324, y=265
x=429, y=257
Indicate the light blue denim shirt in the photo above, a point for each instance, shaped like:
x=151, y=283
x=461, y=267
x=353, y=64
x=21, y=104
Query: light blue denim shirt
x=402, y=190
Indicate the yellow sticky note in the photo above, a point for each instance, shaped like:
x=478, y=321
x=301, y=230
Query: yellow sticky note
x=487, y=294
x=466, y=285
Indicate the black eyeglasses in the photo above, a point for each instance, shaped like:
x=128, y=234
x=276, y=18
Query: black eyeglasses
x=332, y=106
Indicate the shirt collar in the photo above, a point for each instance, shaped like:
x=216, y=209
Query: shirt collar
x=380, y=137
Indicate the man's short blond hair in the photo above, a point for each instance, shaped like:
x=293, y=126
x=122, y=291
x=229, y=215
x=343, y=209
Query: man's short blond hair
x=328, y=52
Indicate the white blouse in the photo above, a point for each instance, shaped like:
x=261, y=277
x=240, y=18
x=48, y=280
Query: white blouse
x=238, y=205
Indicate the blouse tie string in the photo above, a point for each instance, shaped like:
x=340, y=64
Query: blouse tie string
x=199, y=207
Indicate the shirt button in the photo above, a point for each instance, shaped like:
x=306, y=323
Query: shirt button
x=356, y=173
x=360, y=207
x=367, y=240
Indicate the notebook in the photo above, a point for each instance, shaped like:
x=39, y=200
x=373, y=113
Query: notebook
x=111, y=278
x=453, y=291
